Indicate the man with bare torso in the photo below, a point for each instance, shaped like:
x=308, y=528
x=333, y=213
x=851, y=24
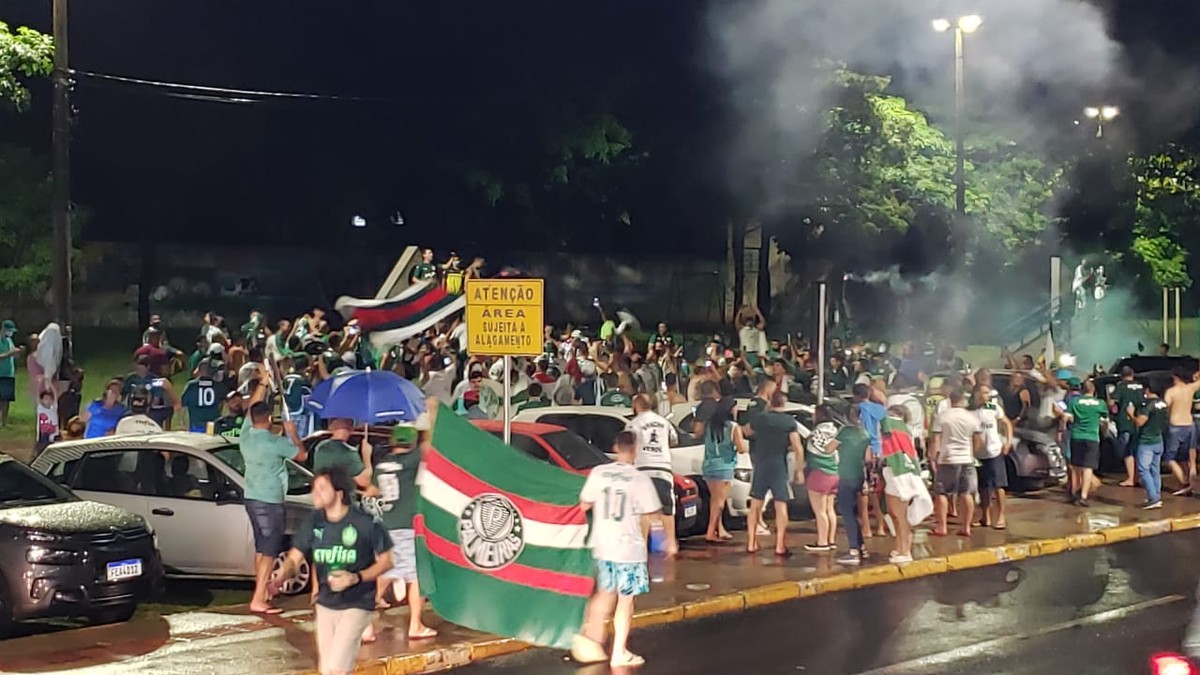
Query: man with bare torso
x=1179, y=434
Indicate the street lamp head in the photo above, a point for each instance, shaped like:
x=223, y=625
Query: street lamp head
x=1109, y=112
x=1091, y=113
x=941, y=25
x=970, y=23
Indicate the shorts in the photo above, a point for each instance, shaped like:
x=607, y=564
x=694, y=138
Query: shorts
x=993, y=473
x=955, y=479
x=717, y=470
x=161, y=416
x=770, y=477
x=820, y=482
x=1125, y=444
x=404, y=556
x=666, y=494
x=267, y=522
x=8, y=389
x=339, y=635
x=1177, y=442
x=624, y=578
x=1086, y=454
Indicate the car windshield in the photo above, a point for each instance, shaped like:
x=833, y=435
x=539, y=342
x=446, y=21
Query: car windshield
x=574, y=450
x=299, y=480
x=20, y=486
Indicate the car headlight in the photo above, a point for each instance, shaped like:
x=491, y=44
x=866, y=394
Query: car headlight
x=40, y=555
x=743, y=475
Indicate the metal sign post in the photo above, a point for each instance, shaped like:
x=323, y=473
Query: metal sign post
x=504, y=318
x=821, y=310
x=1166, y=313
x=1178, y=318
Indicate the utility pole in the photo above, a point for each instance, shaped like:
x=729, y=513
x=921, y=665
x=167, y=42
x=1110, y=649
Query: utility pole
x=61, y=268
x=960, y=172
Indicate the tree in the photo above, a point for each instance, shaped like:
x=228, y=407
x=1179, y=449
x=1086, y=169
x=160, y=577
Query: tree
x=24, y=53
x=1166, y=213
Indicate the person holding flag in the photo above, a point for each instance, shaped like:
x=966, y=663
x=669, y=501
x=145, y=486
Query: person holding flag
x=908, y=500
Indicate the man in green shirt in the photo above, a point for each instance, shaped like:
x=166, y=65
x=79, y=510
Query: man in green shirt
x=336, y=451
x=1123, y=404
x=853, y=448
x=265, y=456
x=1085, y=414
x=8, y=369
x=202, y=397
x=536, y=398
x=139, y=379
x=1152, y=417
x=393, y=499
x=424, y=270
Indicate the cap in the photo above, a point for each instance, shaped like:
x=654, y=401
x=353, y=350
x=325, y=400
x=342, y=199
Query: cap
x=576, y=333
x=216, y=348
x=404, y=434
x=1074, y=382
x=155, y=319
x=1063, y=374
x=8, y=325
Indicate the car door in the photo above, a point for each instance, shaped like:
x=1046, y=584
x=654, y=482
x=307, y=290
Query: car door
x=599, y=430
x=196, y=524
x=110, y=477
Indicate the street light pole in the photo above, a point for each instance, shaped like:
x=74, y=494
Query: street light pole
x=960, y=171
x=61, y=265
x=1102, y=114
x=965, y=24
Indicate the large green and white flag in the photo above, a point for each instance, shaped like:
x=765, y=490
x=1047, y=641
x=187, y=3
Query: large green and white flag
x=501, y=540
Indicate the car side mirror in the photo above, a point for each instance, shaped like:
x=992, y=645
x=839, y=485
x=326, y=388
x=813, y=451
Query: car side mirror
x=228, y=496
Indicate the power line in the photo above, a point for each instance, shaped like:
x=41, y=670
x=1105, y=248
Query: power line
x=221, y=94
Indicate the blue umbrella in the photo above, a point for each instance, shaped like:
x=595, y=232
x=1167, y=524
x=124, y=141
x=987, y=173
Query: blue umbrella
x=370, y=396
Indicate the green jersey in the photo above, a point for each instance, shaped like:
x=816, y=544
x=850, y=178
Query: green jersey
x=296, y=391
x=1087, y=411
x=1127, y=396
x=332, y=452
x=852, y=452
x=8, y=364
x=396, y=477
x=351, y=544
x=422, y=272
x=1157, y=415
x=202, y=397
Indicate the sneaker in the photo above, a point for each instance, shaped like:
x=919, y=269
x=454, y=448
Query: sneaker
x=819, y=548
x=1081, y=502
x=1152, y=505
x=897, y=559
x=1182, y=492
x=587, y=651
x=762, y=530
x=851, y=558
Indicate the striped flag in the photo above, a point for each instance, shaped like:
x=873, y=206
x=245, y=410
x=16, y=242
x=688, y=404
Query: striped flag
x=393, y=320
x=901, y=472
x=501, y=540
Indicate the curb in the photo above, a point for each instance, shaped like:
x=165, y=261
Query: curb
x=452, y=656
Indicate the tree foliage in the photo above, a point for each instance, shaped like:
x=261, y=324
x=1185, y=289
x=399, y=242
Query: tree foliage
x=24, y=53
x=1166, y=213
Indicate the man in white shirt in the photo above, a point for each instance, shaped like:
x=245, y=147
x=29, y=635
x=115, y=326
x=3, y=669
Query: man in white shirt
x=656, y=436
x=993, y=474
x=622, y=499
x=957, y=435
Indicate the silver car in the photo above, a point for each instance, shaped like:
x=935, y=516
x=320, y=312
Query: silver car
x=188, y=486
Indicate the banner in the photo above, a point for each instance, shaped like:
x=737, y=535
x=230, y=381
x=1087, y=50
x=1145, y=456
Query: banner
x=392, y=321
x=501, y=539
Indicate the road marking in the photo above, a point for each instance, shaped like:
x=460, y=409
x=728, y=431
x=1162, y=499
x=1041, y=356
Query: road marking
x=924, y=663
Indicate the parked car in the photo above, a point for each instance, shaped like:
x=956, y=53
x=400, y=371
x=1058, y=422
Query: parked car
x=569, y=451
x=61, y=556
x=1145, y=370
x=188, y=486
x=1035, y=461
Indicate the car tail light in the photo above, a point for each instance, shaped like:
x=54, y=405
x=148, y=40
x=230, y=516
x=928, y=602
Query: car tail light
x=1171, y=664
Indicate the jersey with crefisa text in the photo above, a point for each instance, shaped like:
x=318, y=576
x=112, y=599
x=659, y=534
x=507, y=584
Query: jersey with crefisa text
x=491, y=532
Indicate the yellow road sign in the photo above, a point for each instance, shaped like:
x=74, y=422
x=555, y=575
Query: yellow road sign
x=504, y=317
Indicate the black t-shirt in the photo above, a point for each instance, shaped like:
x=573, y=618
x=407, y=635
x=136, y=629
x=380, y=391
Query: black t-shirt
x=350, y=544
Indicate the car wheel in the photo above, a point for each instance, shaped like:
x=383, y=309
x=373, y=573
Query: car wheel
x=1017, y=484
x=113, y=614
x=297, y=584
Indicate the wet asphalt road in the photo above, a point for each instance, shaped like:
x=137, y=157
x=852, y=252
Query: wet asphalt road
x=1101, y=611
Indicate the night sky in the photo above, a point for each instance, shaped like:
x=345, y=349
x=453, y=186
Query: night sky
x=445, y=83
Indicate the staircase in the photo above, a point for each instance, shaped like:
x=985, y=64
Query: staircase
x=1028, y=333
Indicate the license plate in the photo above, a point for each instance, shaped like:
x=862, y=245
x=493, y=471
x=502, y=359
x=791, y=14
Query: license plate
x=124, y=569
x=689, y=510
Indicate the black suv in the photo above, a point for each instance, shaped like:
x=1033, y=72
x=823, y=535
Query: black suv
x=61, y=556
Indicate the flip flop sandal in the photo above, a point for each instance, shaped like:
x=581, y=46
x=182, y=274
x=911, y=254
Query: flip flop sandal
x=627, y=660
x=424, y=635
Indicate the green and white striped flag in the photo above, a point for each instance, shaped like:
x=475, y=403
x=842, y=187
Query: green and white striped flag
x=501, y=539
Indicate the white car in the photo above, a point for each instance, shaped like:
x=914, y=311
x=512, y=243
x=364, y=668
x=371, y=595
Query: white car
x=600, y=425
x=188, y=486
